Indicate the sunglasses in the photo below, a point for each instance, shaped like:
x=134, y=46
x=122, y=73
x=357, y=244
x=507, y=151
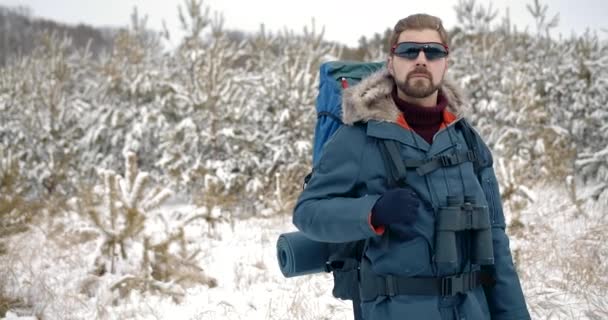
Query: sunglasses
x=411, y=50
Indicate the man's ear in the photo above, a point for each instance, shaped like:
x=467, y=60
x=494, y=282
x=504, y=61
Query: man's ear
x=389, y=65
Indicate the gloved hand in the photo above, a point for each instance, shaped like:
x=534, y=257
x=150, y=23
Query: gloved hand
x=396, y=206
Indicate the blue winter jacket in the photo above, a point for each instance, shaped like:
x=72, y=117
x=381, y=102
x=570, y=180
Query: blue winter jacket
x=351, y=176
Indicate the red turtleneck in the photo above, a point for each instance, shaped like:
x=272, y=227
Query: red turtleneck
x=425, y=121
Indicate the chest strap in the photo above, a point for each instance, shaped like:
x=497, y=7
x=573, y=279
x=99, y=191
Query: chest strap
x=424, y=167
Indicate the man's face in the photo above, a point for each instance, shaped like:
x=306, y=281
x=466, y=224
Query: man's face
x=419, y=77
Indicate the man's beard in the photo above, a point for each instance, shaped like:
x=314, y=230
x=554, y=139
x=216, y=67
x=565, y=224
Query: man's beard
x=420, y=88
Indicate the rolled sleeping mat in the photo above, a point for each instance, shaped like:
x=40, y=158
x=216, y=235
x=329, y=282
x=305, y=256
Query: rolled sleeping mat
x=298, y=255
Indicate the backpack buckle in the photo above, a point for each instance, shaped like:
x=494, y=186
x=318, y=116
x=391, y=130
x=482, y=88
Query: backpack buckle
x=472, y=155
x=459, y=283
x=446, y=160
x=446, y=286
x=391, y=289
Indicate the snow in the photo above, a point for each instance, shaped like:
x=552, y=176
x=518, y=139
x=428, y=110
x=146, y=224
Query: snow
x=50, y=271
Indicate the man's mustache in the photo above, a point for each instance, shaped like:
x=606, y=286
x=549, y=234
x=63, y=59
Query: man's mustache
x=420, y=71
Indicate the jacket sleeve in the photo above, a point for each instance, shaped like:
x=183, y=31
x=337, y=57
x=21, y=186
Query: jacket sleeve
x=330, y=208
x=505, y=299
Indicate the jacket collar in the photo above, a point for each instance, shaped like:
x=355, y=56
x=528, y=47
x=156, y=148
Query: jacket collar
x=371, y=99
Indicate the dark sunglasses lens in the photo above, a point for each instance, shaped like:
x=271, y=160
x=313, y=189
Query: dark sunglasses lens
x=434, y=52
x=408, y=50
x=411, y=50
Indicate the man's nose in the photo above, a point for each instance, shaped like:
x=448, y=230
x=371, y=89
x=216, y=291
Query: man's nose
x=421, y=59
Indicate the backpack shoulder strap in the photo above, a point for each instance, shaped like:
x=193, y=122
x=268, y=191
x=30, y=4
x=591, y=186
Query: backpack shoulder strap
x=482, y=155
x=393, y=162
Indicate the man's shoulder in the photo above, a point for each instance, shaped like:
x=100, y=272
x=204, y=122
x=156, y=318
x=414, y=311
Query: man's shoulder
x=351, y=131
x=347, y=138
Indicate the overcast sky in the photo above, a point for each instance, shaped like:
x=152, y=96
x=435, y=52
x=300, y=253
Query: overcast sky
x=343, y=20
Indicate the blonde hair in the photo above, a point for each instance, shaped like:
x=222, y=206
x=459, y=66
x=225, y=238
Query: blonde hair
x=418, y=21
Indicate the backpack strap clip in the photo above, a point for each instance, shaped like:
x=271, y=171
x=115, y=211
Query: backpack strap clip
x=446, y=160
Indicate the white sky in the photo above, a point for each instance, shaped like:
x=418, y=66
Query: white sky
x=343, y=20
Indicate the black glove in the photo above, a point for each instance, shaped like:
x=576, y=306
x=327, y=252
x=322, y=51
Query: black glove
x=396, y=206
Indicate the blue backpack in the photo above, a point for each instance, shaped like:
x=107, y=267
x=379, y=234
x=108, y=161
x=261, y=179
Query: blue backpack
x=334, y=77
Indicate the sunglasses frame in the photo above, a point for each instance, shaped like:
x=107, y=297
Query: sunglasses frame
x=422, y=46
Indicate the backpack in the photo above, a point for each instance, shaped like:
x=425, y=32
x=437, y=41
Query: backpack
x=334, y=77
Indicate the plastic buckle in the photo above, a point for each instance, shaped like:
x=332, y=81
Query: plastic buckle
x=472, y=155
x=391, y=290
x=458, y=283
x=472, y=281
x=446, y=286
x=446, y=160
x=468, y=210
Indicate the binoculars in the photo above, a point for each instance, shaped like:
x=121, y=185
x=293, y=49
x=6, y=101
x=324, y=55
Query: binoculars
x=459, y=216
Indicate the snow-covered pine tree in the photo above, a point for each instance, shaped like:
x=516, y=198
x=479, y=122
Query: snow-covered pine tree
x=38, y=122
x=16, y=209
x=276, y=122
x=206, y=64
x=132, y=251
x=535, y=98
x=122, y=109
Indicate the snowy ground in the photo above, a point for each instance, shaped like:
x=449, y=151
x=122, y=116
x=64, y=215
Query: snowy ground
x=48, y=272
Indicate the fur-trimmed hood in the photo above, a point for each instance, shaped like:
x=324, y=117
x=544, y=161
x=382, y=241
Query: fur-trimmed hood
x=371, y=99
